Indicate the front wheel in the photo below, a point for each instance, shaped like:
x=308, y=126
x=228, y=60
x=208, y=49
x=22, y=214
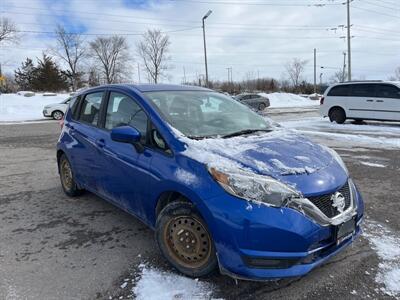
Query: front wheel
x=262, y=106
x=337, y=115
x=184, y=240
x=57, y=115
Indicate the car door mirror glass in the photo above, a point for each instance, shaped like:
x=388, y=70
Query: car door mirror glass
x=158, y=140
x=125, y=134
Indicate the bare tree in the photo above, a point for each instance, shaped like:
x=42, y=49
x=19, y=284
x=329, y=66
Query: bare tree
x=8, y=30
x=153, y=49
x=112, y=55
x=71, y=50
x=396, y=75
x=339, y=76
x=295, y=69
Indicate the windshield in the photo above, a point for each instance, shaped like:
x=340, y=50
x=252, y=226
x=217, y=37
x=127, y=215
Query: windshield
x=200, y=114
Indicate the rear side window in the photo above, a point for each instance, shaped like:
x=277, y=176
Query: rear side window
x=124, y=111
x=363, y=90
x=387, y=91
x=340, y=90
x=90, y=108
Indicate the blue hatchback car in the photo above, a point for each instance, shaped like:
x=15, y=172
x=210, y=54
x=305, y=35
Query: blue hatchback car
x=222, y=186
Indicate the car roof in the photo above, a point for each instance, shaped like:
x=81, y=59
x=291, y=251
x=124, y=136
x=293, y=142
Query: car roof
x=366, y=82
x=152, y=87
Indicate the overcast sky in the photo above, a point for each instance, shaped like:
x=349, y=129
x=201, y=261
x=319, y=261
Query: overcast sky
x=254, y=37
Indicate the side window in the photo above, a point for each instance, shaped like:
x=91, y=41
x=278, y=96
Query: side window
x=124, y=111
x=90, y=108
x=387, y=91
x=340, y=90
x=363, y=90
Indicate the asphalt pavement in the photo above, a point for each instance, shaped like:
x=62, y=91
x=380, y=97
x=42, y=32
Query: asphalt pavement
x=55, y=247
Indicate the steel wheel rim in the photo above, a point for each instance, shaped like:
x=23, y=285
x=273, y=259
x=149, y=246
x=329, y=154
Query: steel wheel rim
x=57, y=115
x=66, y=174
x=188, y=241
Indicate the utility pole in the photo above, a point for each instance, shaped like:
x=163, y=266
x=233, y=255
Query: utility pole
x=315, y=70
x=184, y=75
x=320, y=79
x=204, y=41
x=348, y=40
x=138, y=71
x=344, y=67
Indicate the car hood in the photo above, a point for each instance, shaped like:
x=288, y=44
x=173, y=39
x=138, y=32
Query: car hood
x=277, y=153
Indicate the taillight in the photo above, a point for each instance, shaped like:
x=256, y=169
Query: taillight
x=322, y=100
x=61, y=122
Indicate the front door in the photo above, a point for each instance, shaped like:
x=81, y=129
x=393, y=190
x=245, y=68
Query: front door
x=126, y=174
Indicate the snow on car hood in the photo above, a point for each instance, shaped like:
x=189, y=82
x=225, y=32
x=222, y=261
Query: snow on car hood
x=277, y=153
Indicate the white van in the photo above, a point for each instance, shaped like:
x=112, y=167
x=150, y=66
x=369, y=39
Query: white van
x=362, y=100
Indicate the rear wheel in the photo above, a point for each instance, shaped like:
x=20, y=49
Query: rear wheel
x=337, y=115
x=57, y=115
x=67, y=179
x=184, y=240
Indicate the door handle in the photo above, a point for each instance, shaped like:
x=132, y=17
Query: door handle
x=380, y=101
x=370, y=100
x=100, y=143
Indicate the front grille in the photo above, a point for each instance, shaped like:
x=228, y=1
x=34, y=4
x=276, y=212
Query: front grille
x=324, y=202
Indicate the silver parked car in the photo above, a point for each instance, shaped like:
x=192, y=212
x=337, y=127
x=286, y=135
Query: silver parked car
x=253, y=100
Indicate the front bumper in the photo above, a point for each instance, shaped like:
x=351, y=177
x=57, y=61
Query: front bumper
x=257, y=242
x=46, y=113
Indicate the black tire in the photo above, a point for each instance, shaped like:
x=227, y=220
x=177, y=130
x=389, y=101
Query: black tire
x=66, y=177
x=184, y=240
x=262, y=106
x=57, y=115
x=337, y=115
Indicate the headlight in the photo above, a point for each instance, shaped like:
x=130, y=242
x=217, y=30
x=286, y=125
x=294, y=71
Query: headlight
x=254, y=187
x=337, y=157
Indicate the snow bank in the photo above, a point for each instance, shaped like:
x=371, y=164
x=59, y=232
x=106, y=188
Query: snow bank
x=14, y=107
x=159, y=285
x=387, y=246
x=288, y=100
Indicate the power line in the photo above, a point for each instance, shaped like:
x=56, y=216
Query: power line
x=375, y=12
x=315, y=4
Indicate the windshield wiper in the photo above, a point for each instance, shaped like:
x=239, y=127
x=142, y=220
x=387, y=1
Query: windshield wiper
x=245, y=131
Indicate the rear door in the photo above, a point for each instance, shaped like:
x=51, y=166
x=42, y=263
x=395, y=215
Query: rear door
x=387, y=102
x=86, y=154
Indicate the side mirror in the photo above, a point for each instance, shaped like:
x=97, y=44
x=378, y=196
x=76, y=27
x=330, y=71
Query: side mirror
x=127, y=134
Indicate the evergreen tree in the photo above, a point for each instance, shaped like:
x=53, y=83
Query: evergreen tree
x=48, y=76
x=24, y=76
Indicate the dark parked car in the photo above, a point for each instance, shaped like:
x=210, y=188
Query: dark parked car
x=254, y=100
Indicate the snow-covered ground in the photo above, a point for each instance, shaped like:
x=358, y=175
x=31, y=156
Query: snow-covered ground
x=383, y=135
x=14, y=107
x=387, y=245
x=288, y=100
x=160, y=285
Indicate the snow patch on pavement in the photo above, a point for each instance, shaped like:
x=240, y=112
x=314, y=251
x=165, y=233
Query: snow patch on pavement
x=288, y=100
x=160, y=285
x=387, y=246
x=14, y=107
x=370, y=164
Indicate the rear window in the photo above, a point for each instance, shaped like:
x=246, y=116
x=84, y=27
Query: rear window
x=340, y=90
x=363, y=90
x=387, y=91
